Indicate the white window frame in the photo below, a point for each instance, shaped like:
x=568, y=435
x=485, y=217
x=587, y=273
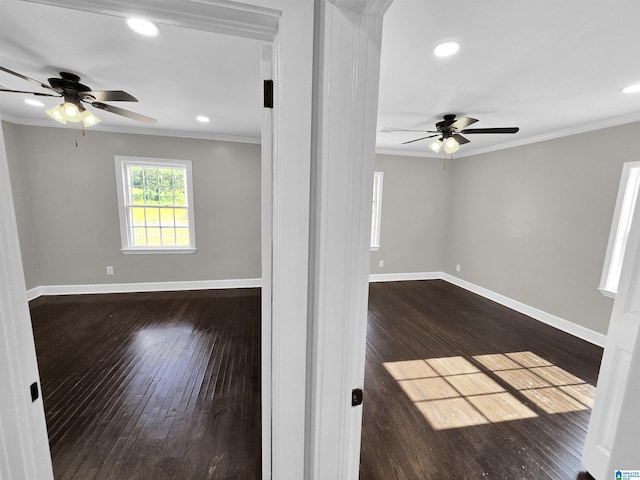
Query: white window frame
x=121, y=164
x=622, y=217
x=376, y=210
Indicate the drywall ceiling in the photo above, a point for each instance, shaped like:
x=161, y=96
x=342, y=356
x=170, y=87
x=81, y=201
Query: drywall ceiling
x=550, y=68
x=176, y=76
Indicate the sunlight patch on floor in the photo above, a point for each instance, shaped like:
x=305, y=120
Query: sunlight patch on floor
x=454, y=392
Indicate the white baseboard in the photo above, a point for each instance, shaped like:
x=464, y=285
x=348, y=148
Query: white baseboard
x=544, y=317
x=142, y=287
x=576, y=330
x=401, y=277
x=579, y=331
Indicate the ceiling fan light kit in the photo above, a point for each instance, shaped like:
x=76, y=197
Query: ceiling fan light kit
x=451, y=146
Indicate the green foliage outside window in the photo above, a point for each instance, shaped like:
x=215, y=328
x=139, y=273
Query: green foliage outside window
x=158, y=207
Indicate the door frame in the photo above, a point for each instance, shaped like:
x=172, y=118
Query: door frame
x=300, y=294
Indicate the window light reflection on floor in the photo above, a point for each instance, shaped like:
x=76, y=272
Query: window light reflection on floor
x=453, y=392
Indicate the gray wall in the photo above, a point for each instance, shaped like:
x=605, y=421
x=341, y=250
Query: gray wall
x=532, y=223
x=21, y=200
x=414, y=215
x=68, y=212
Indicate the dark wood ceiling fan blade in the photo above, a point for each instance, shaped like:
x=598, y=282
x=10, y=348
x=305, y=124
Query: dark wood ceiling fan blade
x=418, y=139
x=460, y=139
x=463, y=122
x=492, y=130
x=30, y=93
x=124, y=113
x=109, y=95
x=389, y=130
x=28, y=79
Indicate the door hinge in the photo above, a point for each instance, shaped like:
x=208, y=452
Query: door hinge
x=34, y=391
x=268, y=94
x=356, y=397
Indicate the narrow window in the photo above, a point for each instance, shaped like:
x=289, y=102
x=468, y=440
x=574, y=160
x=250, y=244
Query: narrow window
x=155, y=200
x=622, y=216
x=376, y=206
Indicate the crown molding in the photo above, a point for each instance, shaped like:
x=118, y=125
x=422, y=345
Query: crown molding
x=567, y=132
x=32, y=122
x=218, y=16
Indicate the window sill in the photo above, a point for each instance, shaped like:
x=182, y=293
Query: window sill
x=157, y=251
x=607, y=293
x=374, y=249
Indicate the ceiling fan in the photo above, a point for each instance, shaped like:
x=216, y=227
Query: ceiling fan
x=76, y=94
x=449, y=130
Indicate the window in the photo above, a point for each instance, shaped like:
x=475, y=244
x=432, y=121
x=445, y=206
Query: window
x=156, y=205
x=622, y=216
x=376, y=206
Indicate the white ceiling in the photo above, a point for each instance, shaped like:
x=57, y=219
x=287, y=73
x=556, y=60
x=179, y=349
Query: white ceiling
x=175, y=76
x=551, y=68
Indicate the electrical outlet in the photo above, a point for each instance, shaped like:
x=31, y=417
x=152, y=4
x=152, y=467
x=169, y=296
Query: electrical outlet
x=457, y=267
x=109, y=270
x=381, y=263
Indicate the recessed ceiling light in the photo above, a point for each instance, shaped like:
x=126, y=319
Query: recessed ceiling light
x=446, y=49
x=632, y=88
x=203, y=119
x=33, y=103
x=143, y=27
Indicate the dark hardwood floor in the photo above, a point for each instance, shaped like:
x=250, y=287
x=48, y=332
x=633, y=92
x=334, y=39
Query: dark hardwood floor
x=153, y=385
x=167, y=386
x=458, y=387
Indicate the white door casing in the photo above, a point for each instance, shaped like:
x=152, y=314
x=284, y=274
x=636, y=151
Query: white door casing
x=266, y=149
x=347, y=65
x=24, y=446
x=290, y=24
x=614, y=429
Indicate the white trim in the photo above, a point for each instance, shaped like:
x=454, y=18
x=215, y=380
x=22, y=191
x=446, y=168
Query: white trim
x=401, y=277
x=124, y=203
x=36, y=292
x=134, y=130
x=566, y=326
x=623, y=212
x=403, y=153
x=376, y=222
x=157, y=251
x=24, y=447
x=347, y=64
x=588, y=127
x=266, y=353
x=219, y=16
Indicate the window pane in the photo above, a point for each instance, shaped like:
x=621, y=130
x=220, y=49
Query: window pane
x=137, y=196
x=135, y=176
x=178, y=177
x=179, y=196
x=168, y=236
x=166, y=177
x=139, y=237
x=137, y=217
x=166, y=196
x=182, y=236
x=156, y=203
x=182, y=217
x=153, y=217
x=153, y=237
x=166, y=217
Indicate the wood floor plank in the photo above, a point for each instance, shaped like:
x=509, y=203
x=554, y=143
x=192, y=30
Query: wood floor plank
x=152, y=385
x=484, y=357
